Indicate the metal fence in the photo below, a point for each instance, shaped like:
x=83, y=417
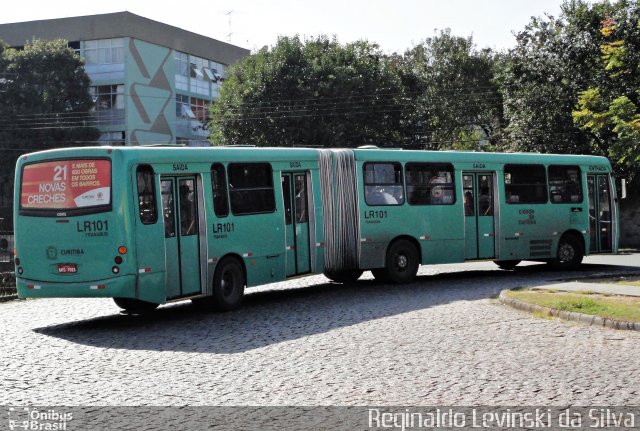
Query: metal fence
x=6, y=247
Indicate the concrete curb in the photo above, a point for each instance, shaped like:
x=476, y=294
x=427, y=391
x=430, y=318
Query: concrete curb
x=569, y=315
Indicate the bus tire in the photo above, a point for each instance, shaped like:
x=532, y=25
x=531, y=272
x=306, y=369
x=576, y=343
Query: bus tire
x=344, y=276
x=228, y=285
x=401, y=262
x=507, y=265
x=135, y=306
x=570, y=252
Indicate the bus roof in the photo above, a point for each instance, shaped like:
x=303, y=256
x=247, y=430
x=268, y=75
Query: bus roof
x=157, y=154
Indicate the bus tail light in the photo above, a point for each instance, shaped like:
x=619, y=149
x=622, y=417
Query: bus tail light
x=115, y=270
x=118, y=260
x=122, y=249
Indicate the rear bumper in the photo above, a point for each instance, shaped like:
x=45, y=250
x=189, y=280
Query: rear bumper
x=123, y=286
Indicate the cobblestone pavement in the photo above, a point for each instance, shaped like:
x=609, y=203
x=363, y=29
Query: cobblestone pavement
x=443, y=339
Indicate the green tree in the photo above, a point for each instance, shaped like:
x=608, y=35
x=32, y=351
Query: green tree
x=540, y=80
x=44, y=103
x=608, y=110
x=457, y=101
x=315, y=92
x=571, y=83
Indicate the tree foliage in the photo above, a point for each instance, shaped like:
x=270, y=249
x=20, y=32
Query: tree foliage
x=457, y=102
x=44, y=97
x=313, y=92
x=571, y=83
x=45, y=83
x=608, y=109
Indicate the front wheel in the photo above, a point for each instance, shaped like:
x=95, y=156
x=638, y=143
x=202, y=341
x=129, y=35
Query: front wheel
x=135, y=306
x=344, y=276
x=401, y=262
x=570, y=253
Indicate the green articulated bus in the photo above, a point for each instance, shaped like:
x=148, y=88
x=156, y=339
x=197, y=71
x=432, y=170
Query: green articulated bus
x=151, y=225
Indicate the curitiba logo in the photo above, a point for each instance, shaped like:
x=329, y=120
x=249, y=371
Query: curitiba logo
x=52, y=253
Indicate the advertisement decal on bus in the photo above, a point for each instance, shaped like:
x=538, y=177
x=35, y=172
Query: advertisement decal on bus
x=66, y=184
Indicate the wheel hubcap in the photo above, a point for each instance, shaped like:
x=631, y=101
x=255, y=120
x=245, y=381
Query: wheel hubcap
x=402, y=262
x=227, y=284
x=567, y=253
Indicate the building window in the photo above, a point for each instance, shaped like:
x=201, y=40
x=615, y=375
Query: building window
x=107, y=97
x=430, y=184
x=104, y=51
x=383, y=183
x=525, y=184
x=200, y=108
x=199, y=83
x=182, y=71
x=183, y=108
x=112, y=138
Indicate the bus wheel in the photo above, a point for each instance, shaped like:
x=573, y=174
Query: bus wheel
x=402, y=262
x=344, y=276
x=228, y=285
x=135, y=306
x=507, y=265
x=570, y=253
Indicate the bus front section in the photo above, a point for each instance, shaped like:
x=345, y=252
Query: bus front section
x=70, y=227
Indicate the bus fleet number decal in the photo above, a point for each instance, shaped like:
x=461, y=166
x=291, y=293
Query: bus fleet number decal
x=374, y=216
x=220, y=230
x=93, y=227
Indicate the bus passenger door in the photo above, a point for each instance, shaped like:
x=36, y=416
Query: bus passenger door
x=296, y=214
x=479, y=218
x=181, y=231
x=600, y=214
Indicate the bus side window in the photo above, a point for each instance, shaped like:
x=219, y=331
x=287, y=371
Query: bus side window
x=565, y=185
x=430, y=183
x=147, y=204
x=251, y=188
x=383, y=183
x=219, y=184
x=525, y=184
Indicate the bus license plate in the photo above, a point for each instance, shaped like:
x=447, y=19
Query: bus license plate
x=67, y=268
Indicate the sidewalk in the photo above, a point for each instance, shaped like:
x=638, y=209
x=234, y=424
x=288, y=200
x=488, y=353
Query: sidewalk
x=593, y=287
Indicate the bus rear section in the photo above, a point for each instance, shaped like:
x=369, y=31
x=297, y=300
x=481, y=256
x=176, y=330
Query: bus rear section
x=70, y=227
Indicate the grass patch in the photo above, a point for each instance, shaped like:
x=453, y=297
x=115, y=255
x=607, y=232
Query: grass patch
x=612, y=307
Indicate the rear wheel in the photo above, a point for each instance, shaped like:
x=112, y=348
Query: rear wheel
x=344, y=276
x=401, y=262
x=228, y=287
x=507, y=265
x=570, y=252
x=135, y=306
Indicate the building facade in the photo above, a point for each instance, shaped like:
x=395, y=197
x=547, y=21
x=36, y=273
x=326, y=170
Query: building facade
x=152, y=83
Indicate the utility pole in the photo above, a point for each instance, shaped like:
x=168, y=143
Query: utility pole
x=230, y=33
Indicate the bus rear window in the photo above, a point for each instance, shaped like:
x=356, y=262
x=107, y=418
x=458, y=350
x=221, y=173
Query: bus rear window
x=66, y=185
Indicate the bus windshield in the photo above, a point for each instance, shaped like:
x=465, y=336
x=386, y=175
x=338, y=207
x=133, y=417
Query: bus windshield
x=66, y=185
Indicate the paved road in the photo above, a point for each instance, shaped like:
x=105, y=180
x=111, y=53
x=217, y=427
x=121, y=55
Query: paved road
x=441, y=340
